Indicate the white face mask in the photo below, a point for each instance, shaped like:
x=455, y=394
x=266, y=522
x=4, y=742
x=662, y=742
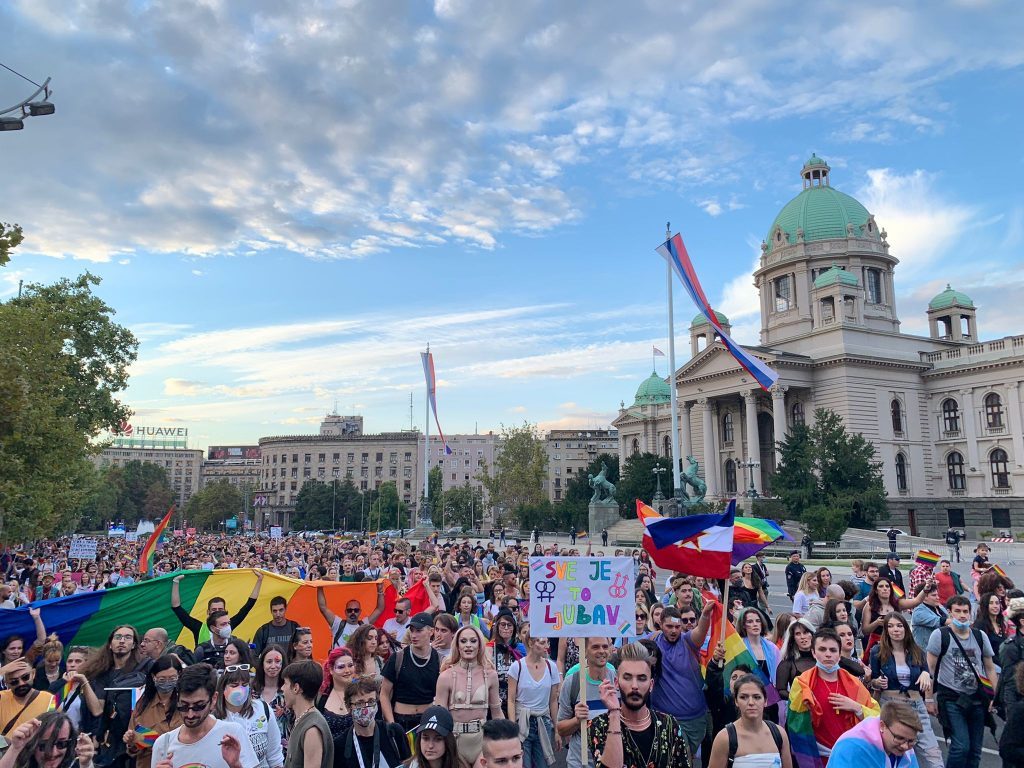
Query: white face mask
x=224, y=632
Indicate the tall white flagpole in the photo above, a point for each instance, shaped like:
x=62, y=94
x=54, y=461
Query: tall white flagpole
x=426, y=441
x=677, y=490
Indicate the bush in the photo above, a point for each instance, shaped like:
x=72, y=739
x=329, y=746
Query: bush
x=825, y=524
x=985, y=535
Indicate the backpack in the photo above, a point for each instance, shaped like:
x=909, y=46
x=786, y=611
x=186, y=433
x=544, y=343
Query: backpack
x=945, y=635
x=730, y=730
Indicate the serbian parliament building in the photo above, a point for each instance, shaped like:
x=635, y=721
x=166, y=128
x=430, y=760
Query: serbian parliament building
x=943, y=411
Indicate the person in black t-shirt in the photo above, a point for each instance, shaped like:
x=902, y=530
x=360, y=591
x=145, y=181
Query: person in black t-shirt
x=277, y=631
x=378, y=743
x=410, y=676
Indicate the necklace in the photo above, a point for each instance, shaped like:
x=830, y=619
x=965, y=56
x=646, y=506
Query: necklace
x=416, y=663
x=649, y=762
x=836, y=691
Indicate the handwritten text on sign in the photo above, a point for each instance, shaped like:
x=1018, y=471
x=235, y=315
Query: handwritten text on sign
x=581, y=597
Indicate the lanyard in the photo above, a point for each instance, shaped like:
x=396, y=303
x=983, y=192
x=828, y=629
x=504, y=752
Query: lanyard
x=376, y=748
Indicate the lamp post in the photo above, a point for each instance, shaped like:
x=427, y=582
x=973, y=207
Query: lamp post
x=658, y=495
x=334, y=501
x=749, y=464
x=29, y=107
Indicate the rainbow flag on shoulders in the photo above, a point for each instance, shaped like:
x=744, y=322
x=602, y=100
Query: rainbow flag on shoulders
x=805, y=712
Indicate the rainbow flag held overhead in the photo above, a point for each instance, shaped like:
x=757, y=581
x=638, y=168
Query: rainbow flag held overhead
x=87, y=618
x=927, y=557
x=754, y=534
x=700, y=545
x=146, y=737
x=148, y=552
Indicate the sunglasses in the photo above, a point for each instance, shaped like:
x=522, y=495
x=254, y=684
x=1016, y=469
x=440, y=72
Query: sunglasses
x=193, y=707
x=692, y=620
x=57, y=744
x=352, y=610
x=22, y=679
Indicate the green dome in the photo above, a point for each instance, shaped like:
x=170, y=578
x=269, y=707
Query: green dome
x=835, y=275
x=948, y=298
x=822, y=212
x=653, y=390
x=699, y=319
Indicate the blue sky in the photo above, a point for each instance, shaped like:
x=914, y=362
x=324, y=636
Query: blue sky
x=287, y=201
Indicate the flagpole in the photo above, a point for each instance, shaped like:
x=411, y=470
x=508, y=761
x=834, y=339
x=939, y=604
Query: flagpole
x=677, y=490
x=426, y=446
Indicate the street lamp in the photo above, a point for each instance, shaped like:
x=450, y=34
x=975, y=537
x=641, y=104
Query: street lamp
x=334, y=501
x=29, y=107
x=658, y=495
x=749, y=465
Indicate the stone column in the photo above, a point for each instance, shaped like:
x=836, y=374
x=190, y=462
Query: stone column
x=685, y=439
x=779, y=419
x=970, y=432
x=1013, y=421
x=753, y=437
x=710, y=461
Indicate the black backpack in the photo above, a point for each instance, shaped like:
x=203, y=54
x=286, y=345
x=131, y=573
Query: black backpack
x=730, y=730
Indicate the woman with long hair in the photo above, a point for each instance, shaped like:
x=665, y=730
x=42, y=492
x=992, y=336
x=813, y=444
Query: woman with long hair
x=505, y=648
x=752, y=625
x=806, y=591
x=796, y=657
x=339, y=671
x=50, y=670
x=645, y=585
x=643, y=618
x=824, y=580
x=782, y=622
x=48, y=741
x=465, y=611
x=754, y=586
x=233, y=702
x=267, y=685
x=363, y=646
x=435, y=743
x=468, y=688
x=654, y=622
x=899, y=670
x=882, y=601
x=237, y=652
x=758, y=742
x=990, y=619
x=300, y=647
x=156, y=711
x=533, y=686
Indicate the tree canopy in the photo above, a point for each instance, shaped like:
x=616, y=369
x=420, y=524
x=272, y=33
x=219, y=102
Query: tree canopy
x=516, y=481
x=828, y=478
x=639, y=482
x=322, y=506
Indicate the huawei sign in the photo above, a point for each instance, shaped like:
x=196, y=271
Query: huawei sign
x=124, y=428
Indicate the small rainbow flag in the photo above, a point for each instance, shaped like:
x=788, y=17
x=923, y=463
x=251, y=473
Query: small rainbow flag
x=752, y=534
x=897, y=591
x=1000, y=571
x=410, y=736
x=146, y=556
x=62, y=695
x=146, y=737
x=987, y=685
x=927, y=557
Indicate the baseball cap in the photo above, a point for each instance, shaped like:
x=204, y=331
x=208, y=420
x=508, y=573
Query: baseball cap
x=421, y=620
x=893, y=556
x=436, y=719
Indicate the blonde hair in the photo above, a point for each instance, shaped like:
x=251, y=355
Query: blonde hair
x=482, y=657
x=634, y=652
x=805, y=581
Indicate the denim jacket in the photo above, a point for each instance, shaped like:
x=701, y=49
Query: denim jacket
x=889, y=670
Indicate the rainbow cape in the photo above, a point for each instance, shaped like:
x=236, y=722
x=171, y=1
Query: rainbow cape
x=87, y=618
x=753, y=534
x=146, y=737
x=804, y=712
x=149, y=550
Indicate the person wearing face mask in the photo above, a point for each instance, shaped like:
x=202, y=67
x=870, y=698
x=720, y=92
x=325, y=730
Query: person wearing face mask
x=20, y=703
x=212, y=651
x=156, y=712
x=369, y=743
x=825, y=701
x=234, y=702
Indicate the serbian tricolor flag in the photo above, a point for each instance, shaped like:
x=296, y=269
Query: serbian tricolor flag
x=148, y=551
x=675, y=253
x=698, y=545
x=428, y=373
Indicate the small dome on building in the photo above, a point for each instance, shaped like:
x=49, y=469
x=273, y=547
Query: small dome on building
x=949, y=298
x=653, y=390
x=699, y=319
x=835, y=275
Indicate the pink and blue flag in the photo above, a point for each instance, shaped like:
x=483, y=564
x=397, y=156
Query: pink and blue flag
x=428, y=373
x=673, y=251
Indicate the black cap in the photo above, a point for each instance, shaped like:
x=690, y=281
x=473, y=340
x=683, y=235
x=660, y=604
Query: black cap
x=436, y=719
x=893, y=556
x=421, y=620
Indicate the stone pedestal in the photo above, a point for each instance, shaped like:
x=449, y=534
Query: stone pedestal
x=603, y=514
x=424, y=523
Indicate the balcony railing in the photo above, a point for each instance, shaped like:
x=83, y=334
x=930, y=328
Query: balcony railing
x=1002, y=491
x=957, y=491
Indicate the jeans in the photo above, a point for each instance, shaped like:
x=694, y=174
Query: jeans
x=966, y=717
x=533, y=752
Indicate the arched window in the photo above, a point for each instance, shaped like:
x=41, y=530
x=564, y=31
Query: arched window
x=667, y=446
x=636, y=446
x=950, y=415
x=955, y=470
x=797, y=413
x=727, y=429
x=897, y=417
x=998, y=463
x=901, y=472
x=730, y=476
x=994, y=411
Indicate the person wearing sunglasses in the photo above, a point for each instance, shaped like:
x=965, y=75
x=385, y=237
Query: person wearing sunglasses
x=49, y=741
x=342, y=629
x=202, y=739
x=234, y=703
x=21, y=702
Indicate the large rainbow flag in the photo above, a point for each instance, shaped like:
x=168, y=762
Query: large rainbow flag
x=735, y=649
x=753, y=534
x=88, y=617
x=804, y=711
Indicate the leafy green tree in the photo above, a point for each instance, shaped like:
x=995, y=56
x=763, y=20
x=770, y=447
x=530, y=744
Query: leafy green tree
x=144, y=485
x=322, y=506
x=217, y=502
x=10, y=238
x=517, y=477
x=829, y=478
x=638, y=481
x=462, y=506
x=574, y=510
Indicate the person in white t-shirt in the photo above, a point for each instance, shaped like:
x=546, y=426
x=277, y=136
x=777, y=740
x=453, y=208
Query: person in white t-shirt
x=395, y=627
x=202, y=740
x=342, y=629
x=533, y=686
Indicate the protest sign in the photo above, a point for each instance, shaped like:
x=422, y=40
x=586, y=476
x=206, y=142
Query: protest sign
x=131, y=536
x=581, y=597
x=82, y=549
x=275, y=531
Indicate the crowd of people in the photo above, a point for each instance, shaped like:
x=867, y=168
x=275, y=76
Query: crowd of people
x=854, y=671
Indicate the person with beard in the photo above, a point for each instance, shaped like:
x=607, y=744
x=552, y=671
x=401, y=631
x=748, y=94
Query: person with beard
x=113, y=672
x=368, y=742
x=630, y=734
x=202, y=739
x=21, y=703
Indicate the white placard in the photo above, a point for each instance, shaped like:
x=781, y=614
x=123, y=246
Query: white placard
x=131, y=536
x=275, y=531
x=83, y=549
x=582, y=597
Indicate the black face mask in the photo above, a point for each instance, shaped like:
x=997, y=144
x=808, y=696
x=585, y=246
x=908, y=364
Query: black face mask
x=21, y=691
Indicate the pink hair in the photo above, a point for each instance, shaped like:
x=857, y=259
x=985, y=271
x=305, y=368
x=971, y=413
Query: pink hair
x=333, y=656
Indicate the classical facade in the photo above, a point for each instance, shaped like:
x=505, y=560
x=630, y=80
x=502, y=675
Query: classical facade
x=943, y=411
x=570, y=451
